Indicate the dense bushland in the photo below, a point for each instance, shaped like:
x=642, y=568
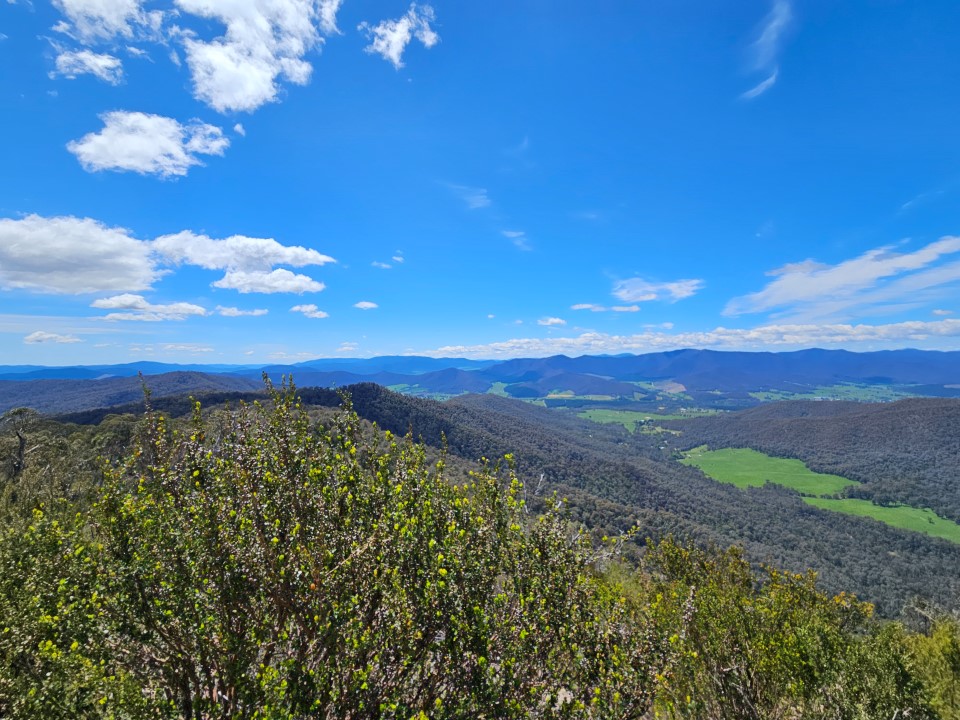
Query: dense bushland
x=255, y=563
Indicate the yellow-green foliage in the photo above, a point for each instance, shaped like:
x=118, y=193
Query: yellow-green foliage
x=261, y=566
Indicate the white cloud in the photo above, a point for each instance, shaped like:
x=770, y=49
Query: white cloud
x=389, y=38
x=601, y=308
x=366, y=305
x=274, y=281
x=147, y=144
x=265, y=41
x=634, y=290
x=766, y=48
x=237, y=252
x=136, y=307
x=519, y=238
x=348, y=347
x=70, y=64
x=240, y=130
x=490, y=316
x=237, y=312
x=474, y=197
x=761, y=87
x=397, y=258
x=812, y=290
x=187, y=347
x=69, y=255
x=310, y=311
x=779, y=337
x=942, y=313
x=93, y=21
x=551, y=321
x=46, y=337
x=328, y=16
x=381, y=265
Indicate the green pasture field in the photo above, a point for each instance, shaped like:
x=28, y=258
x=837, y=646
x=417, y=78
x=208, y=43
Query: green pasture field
x=843, y=391
x=899, y=516
x=631, y=418
x=749, y=468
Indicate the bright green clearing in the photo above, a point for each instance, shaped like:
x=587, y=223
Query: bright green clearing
x=899, y=516
x=749, y=468
x=630, y=419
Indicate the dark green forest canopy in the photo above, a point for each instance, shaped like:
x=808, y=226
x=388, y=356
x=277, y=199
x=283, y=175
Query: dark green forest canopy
x=257, y=563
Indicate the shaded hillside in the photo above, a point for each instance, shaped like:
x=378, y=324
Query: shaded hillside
x=61, y=396
x=903, y=452
x=612, y=481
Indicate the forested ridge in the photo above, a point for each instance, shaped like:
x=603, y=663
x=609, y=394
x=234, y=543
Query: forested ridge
x=286, y=558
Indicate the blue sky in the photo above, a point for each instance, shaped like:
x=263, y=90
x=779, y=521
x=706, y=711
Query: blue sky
x=274, y=180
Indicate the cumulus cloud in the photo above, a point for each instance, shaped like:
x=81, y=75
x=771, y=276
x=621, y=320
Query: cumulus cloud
x=366, y=305
x=634, y=290
x=813, y=290
x=136, y=307
x=105, y=67
x=147, y=144
x=69, y=255
x=91, y=21
x=237, y=252
x=237, y=312
x=789, y=336
x=551, y=321
x=46, y=337
x=310, y=311
x=389, y=38
x=265, y=41
x=267, y=282
x=240, y=130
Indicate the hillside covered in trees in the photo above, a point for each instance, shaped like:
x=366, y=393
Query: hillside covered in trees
x=280, y=559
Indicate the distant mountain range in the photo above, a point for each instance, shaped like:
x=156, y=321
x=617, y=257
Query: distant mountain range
x=703, y=376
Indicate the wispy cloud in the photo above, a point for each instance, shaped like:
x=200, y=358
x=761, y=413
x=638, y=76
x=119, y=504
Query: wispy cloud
x=518, y=237
x=878, y=278
x=551, y=321
x=780, y=337
x=366, y=305
x=634, y=290
x=761, y=87
x=767, y=47
x=603, y=308
x=474, y=197
x=942, y=313
x=47, y=337
x=237, y=312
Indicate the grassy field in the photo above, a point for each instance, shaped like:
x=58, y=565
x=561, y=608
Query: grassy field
x=749, y=468
x=899, y=516
x=843, y=391
x=630, y=418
